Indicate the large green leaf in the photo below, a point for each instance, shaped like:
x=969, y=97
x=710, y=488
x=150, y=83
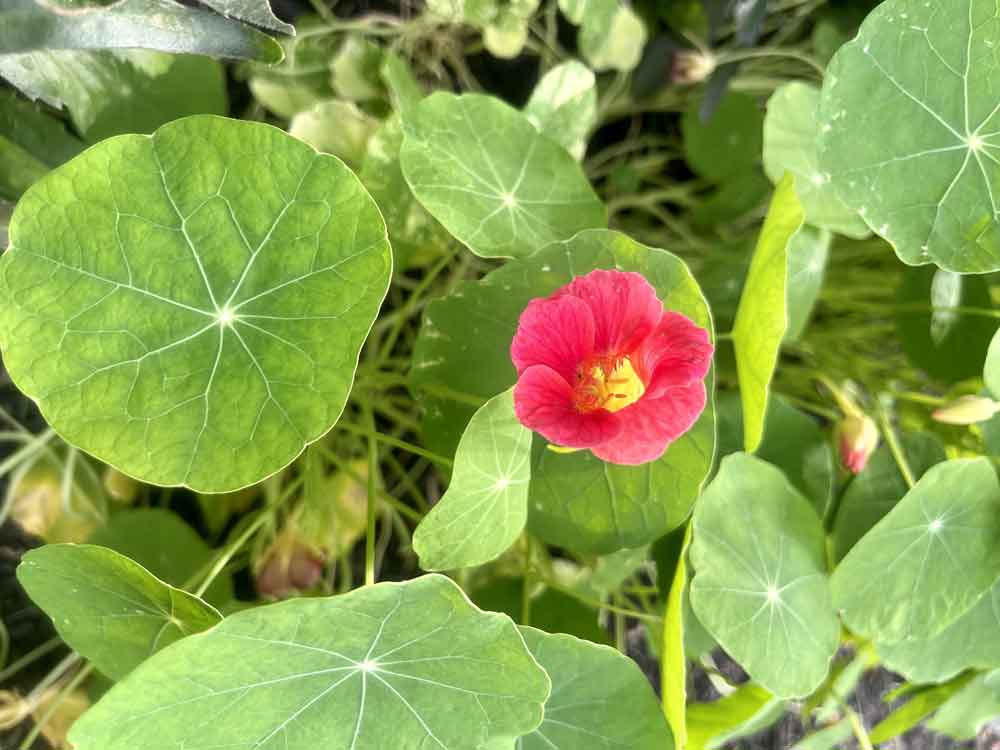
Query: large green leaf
x=877, y=489
x=908, y=129
x=109, y=608
x=933, y=325
x=929, y=560
x=123, y=91
x=600, y=699
x=486, y=505
x=190, y=307
x=564, y=105
x=760, y=584
x=167, y=547
x=257, y=12
x=762, y=317
x=576, y=500
x=403, y=665
x=485, y=172
x=970, y=642
x=150, y=24
x=791, y=135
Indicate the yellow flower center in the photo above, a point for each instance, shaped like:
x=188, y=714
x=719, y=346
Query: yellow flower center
x=607, y=384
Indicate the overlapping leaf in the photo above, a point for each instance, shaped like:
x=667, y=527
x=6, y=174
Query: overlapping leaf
x=190, y=307
x=109, y=608
x=409, y=666
x=760, y=584
x=909, y=128
x=929, y=561
x=486, y=505
x=497, y=184
x=563, y=105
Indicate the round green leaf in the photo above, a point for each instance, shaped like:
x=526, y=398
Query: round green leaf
x=929, y=560
x=403, y=665
x=971, y=642
x=486, y=505
x=762, y=317
x=937, y=334
x=492, y=179
x=189, y=307
x=164, y=545
x=760, y=584
x=563, y=105
x=790, y=145
x=612, y=35
x=728, y=144
x=600, y=699
x=576, y=500
x=107, y=607
x=877, y=489
x=908, y=130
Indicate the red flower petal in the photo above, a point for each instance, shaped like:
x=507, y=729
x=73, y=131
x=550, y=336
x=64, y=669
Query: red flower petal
x=625, y=308
x=543, y=402
x=676, y=353
x=650, y=424
x=556, y=332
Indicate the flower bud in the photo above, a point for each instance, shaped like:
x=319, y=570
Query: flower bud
x=289, y=567
x=692, y=66
x=966, y=410
x=857, y=438
x=120, y=487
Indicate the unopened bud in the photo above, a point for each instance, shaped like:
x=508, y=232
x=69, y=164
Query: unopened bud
x=857, y=439
x=967, y=410
x=290, y=567
x=120, y=487
x=692, y=66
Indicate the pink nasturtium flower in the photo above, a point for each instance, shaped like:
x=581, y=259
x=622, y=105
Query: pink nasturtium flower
x=602, y=366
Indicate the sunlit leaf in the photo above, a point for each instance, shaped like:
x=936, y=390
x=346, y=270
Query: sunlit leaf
x=928, y=561
x=908, y=130
x=762, y=317
x=109, y=608
x=923, y=703
x=148, y=24
x=190, y=307
x=462, y=358
x=791, y=144
x=486, y=505
x=760, y=584
x=563, y=105
x=808, y=251
x=404, y=665
x=965, y=713
x=709, y=724
x=611, y=35
x=673, y=664
x=497, y=184
x=337, y=127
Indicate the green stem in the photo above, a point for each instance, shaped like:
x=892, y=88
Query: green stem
x=864, y=741
x=395, y=442
x=36, y=653
x=64, y=693
x=599, y=605
x=894, y=447
x=229, y=551
x=790, y=54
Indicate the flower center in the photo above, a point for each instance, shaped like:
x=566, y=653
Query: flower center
x=607, y=383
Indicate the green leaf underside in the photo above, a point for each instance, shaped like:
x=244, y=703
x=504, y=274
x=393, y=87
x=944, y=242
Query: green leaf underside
x=919, y=162
x=486, y=505
x=877, y=489
x=410, y=666
x=762, y=316
x=760, y=584
x=257, y=12
x=109, y=608
x=929, y=560
x=149, y=24
x=970, y=642
x=190, y=307
x=600, y=699
x=576, y=500
x=497, y=184
x=790, y=144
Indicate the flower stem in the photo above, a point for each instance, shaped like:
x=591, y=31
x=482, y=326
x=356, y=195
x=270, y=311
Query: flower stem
x=372, y=504
x=895, y=448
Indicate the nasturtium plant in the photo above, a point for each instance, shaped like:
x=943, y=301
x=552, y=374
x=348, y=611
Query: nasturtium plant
x=503, y=375
x=154, y=285
x=458, y=156
x=916, y=159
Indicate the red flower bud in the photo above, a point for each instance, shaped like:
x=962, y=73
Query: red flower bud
x=857, y=439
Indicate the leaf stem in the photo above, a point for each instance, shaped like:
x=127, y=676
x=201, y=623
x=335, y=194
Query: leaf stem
x=895, y=448
x=229, y=551
x=395, y=442
x=372, y=505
